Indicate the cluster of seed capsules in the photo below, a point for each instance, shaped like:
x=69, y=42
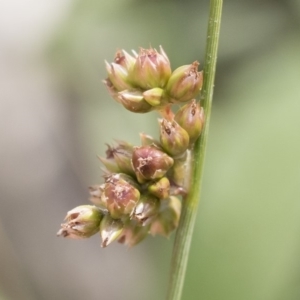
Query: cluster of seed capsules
x=143, y=184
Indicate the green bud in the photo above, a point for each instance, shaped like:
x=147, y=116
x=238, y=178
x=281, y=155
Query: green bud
x=81, y=222
x=191, y=118
x=146, y=208
x=173, y=138
x=150, y=163
x=185, y=83
x=168, y=218
x=160, y=188
x=121, y=195
x=155, y=96
x=110, y=230
x=118, y=76
x=133, y=233
x=134, y=101
x=118, y=71
x=152, y=69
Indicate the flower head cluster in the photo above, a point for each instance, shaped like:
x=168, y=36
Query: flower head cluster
x=143, y=184
x=143, y=82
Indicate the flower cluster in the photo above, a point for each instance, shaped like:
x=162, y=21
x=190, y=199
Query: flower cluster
x=144, y=82
x=143, y=184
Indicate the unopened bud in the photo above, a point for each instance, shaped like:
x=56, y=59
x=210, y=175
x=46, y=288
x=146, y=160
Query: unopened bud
x=185, y=83
x=81, y=222
x=121, y=195
x=150, y=163
x=146, y=208
x=110, y=230
x=191, y=118
x=160, y=188
x=155, y=96
x=152, y=69
x=134, y=101
x=133, y=233
x=168, y=218
x=118, y=76
x=174, y=139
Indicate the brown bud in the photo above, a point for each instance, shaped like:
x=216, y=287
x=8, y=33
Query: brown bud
x=191, y=118
x=121, y=195
x=150, y=163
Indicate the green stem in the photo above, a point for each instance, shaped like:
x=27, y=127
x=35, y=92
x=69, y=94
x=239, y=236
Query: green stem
x=190, y=202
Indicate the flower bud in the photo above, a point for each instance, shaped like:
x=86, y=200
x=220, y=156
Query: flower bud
x=110, y=230
x=168, y=218
x=191, y=118
x=81, y=222
x=185, y=83
x=152, y=69
x=118, y=76
x=121, y=195
x=174, y=139
x=155, y=96
x=160, y=188
x=119, y=70
x=133, y=233
x=134, y=101
x=146, y=208
x=150, y=163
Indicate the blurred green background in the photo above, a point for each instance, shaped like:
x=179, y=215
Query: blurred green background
x=56, y=116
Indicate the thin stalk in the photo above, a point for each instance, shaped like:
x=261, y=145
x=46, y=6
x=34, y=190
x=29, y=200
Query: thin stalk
x=190, y=202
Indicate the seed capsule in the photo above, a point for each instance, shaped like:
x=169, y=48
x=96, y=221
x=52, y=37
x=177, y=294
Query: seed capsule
x=121, y=195
x=150, y=163
x=81, y=222
x=185, y=83
x=174, y=139
x=191, y=118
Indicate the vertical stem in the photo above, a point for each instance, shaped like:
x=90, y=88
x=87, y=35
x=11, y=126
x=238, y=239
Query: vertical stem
x=190, y=202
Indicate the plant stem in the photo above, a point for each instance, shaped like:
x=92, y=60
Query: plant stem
x=190, y=202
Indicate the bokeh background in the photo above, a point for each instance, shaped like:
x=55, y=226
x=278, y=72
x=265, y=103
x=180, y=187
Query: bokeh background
x=56, y=116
